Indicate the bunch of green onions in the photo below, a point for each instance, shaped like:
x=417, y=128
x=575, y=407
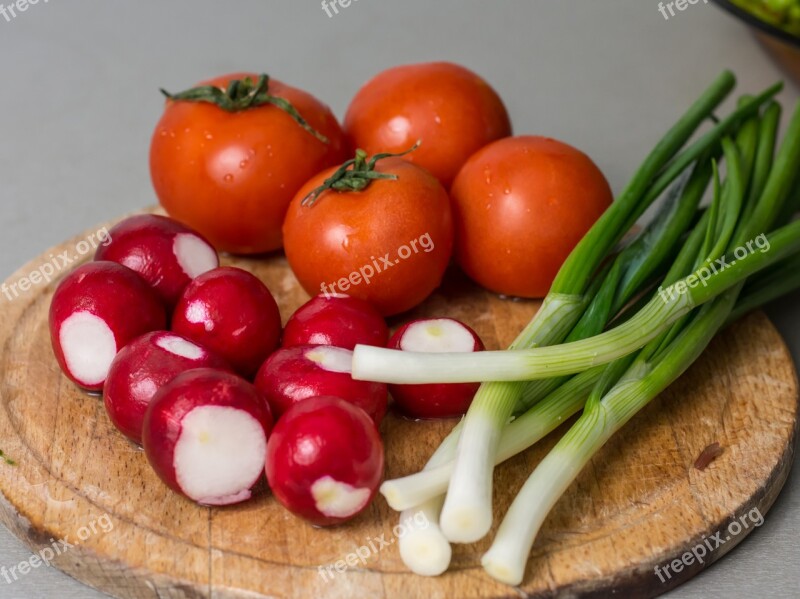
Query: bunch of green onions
x=618, y=326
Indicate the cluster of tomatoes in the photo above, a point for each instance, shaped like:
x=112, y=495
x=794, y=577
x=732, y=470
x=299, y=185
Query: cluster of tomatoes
x=256, y=165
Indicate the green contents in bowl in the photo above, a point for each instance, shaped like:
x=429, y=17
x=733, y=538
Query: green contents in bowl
x=784, y=14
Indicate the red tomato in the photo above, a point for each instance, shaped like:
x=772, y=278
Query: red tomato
x=231, y=175
x=521, y=205
x=388, y=244
x=449, y=108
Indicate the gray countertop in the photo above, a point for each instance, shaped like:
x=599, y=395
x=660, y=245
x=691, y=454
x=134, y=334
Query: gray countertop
x=79, y=100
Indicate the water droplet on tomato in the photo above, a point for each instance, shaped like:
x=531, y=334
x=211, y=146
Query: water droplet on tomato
x=228, y=178
x=244, y=163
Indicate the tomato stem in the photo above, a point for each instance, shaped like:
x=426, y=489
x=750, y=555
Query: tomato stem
x=242, y=94
x=355, y=175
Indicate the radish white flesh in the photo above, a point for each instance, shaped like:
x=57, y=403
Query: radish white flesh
x=89, y=347
x=95, y=311
x=435, y=335
x=166, y=253
x=209, y=436
x=439, y=335
x=195, y=255
x=336, y=499
x=142, y=368
x=178, y=346
x=205, y=434
x=295, y=374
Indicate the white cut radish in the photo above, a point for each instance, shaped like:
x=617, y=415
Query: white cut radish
x=336, y=499
x=166, y=253
x=95, y=311
x=89, y=347
x=195, y=255
x=205, y=434
x=435, y=335
x=209, y=436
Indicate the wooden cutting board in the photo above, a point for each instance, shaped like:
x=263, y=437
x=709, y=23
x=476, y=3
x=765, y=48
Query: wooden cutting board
x=639, y=503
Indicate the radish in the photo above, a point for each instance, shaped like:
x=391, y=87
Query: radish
x=435, y=335
x=95, y=311
x=164, y=252
x=205, y=434
x=294, y=374
x=325, y=460
x=336, y=319
x=232, y=313
x=142, y=368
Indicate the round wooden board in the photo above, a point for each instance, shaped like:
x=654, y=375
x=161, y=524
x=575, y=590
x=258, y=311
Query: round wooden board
x=638, y=504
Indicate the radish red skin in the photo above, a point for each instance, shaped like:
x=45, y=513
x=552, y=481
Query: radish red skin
x=142, y=368
x=232, y=313
x=335, y=319
x=324, y=440
x=114, y=294
x=149, y=244
x=433, y=401
x=202, y=387
x=289, y=377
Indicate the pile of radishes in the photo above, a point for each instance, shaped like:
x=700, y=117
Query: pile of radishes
x=195, y=367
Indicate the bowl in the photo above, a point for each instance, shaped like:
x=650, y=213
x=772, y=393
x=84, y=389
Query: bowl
x=781, y=44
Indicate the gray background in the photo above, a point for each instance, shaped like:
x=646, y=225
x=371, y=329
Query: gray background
x=78, y=101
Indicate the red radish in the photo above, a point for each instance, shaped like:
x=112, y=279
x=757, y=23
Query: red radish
x=294, y=374
x=435, y=335
x=336, y=319
x=232, y=313
x=96, y=310
x=144, y=366
x=325, y=460
x=164, y=252
x=205, y=434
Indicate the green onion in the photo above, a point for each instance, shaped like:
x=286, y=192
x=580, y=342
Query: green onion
x=663, y=360
x=509, y=552
x=466, y=515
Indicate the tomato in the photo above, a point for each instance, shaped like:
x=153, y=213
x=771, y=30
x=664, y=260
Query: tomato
x=521, y=205
x=388, y=244
x=449, y=108
x=231, y=175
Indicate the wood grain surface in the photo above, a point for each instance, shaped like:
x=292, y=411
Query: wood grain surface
x=638, y=504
